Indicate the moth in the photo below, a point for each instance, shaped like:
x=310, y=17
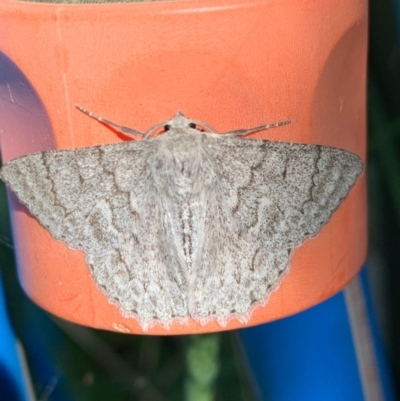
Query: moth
x=185, y=222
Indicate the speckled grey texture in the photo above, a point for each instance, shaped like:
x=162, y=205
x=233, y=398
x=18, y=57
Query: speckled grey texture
x=186, y=223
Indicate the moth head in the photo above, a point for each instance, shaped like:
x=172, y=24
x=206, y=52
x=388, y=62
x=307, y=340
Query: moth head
x=179, y=122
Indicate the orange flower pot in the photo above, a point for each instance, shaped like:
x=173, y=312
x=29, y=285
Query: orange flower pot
x=231, y=63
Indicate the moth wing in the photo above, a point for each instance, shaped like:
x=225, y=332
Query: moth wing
x=234, y=274
x=282, y=193
x=100, y=200
x=270, y=198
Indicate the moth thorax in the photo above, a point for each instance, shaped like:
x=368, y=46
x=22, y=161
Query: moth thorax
x=181, y=170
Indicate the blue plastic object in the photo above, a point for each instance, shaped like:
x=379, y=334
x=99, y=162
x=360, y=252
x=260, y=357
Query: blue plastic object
x=13, y=383
x=330, y=352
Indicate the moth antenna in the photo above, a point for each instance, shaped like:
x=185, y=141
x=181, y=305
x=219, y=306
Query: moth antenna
x=125, y=130
x=205, y=125
x=244, y=132
x=152, y=129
